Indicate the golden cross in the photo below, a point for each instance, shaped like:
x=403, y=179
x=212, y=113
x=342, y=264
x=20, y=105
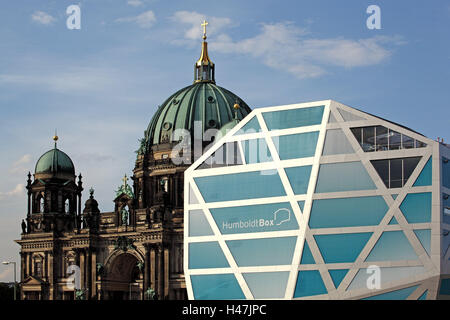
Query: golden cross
x=204, y=24
x=125, y=179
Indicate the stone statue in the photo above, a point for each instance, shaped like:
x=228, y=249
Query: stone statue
x=142, y=147
x=150, y=294
x=24, y=227
x=100, y=269
x=80, y=294
x=124, y=213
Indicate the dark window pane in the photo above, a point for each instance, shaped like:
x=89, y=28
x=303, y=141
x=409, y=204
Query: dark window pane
x=382, y=141
x=396, y=173
x=368, y=139
x=357, y=134
x=407, y=142
x=382, y=167
x=409, y=164
x=394, y=140
x=420, y=144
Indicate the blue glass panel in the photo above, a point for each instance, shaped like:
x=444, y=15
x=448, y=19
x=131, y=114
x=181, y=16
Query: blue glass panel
x=255, y=218
x=301, y=204
x=337, y=248
x=347, y=212
x=337, y=276
x=198, y=225
x=445, y=287
x=309, y=283
x=346, y=176
x=299, y=178
x=336, y=143
x=394, y=196
x=446, y=172
x=256, y=151
x=416, y=207
x=393, y=221
x=294, y=146
x=206, y=255
x=307, y=257
x=423, y=296
x=267, y=285
x=216, y=287
x=446, y=208
x=424, y=178
x=391, y=246
x=263, y=252
x=424, y=238
x=250, y=127
x=387, y=275
x=401, y=294
x=293, y=118
x=238, y=186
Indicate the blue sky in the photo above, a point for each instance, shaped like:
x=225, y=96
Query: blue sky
x=100, y=85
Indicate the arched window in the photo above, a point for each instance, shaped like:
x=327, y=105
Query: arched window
x=164, y=184
x=38, y=266
x=41, y=205
x=67, y=206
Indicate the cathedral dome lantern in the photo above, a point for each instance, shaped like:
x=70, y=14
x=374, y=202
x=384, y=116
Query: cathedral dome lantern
x=204, y=67
x=54, y=189
x=55, y=163
x=194, y=109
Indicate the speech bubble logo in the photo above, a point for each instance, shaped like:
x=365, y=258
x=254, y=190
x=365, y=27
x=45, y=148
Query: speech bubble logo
x=281, y=215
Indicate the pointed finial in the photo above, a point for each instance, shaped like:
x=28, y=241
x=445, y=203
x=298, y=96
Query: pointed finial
x=55, y=138
x=91, y=192
x=204, y=24
x=236, y=107
x=125, y=179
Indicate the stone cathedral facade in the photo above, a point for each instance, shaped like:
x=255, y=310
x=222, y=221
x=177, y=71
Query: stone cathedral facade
x=71, y=250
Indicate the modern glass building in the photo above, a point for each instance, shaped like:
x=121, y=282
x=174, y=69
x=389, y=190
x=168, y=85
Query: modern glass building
x=318, y=201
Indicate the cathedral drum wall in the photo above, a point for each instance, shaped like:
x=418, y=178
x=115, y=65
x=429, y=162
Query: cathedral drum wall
x=318, y=201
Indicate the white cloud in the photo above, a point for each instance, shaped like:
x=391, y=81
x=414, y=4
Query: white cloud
x=135, y=3
x=145, y=20
x=19, y=165
x=42, y=18
x=288, y=47
x=17, y=191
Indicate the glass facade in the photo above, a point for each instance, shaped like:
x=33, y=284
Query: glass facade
x=306, y=211
x=347, y=212
x=255, y=218
x=395, y=172
x=380, y=138
x=299, y=145
x=344, y=176
x=256, y=184
x=293, y=118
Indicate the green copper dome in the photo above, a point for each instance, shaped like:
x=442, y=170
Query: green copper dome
x=55, y=161
x=203, y=102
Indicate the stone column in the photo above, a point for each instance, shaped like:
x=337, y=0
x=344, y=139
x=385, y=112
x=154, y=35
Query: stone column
x=152, y=268
x=146, y=269
x=166, y=271
x=45, y=266
x=82, y=270
x=23, y=266
x=50, y=276
x=160, y=272
x=88, y=269
x=93, y=289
